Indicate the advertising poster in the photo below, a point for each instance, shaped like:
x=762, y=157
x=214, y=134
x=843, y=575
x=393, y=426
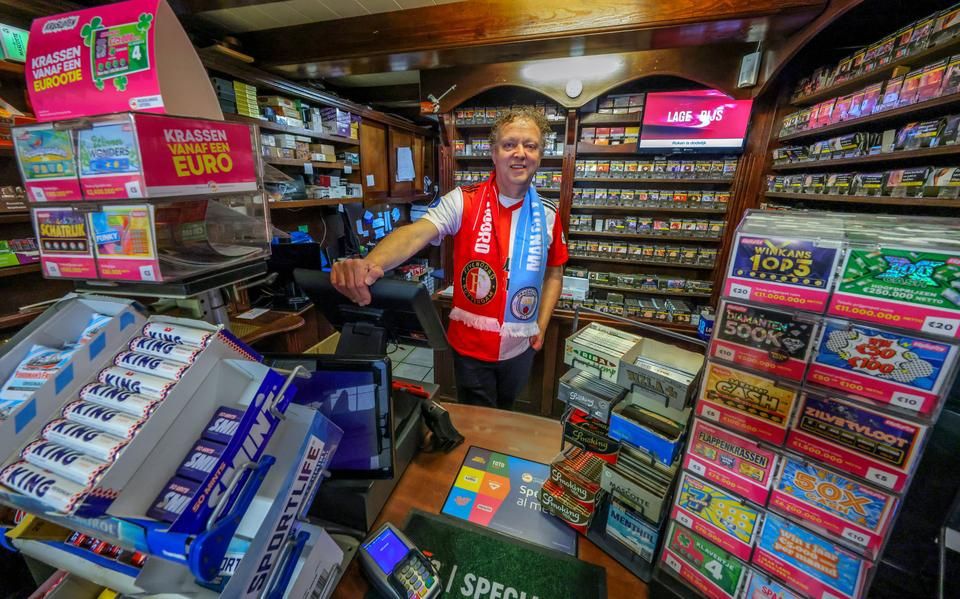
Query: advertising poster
x=878, y=447
x=717, y=516
x=815, y=566
x=782, y=271
x=762, y=339
x=884, y=366
x=47, y=163
x=65, y=249
x=733, y=462
x=694, y=119
x=747, y=403
x=109, y=159
x=123, y=239
x=499, y=491
x=834, y=503
x=908, y=288
x=706, y=567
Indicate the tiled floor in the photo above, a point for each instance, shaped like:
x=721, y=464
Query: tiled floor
x=414, y=363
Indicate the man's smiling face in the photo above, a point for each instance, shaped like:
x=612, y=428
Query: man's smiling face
x=516, y=156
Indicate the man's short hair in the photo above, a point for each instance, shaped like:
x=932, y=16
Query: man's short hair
x=521, y=113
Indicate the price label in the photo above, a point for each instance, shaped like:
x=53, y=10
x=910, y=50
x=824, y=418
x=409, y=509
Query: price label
x=907, y=401
x=725, y=353
x=685, y=520
x=672, y=562
x=52, y=269
x=740, y=291
x=857, y=537
x=133, y=189
x=711, y=413
x=938, y=325
x=147, y=273
x=308, y=168
x=347, y=169
x=697, y=468
x=882, y=478
x=38, y=194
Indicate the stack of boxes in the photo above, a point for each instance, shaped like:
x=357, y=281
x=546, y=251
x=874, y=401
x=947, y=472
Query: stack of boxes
x=627, y=411
x=236, y=97
x=621, y=103
x=340, y=122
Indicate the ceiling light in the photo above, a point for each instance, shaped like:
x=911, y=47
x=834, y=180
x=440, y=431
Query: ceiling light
x=579, y=67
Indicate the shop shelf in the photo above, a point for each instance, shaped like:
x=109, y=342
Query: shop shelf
x=611, y=234
x=553, y=125
x=14, y=217
x=564, y=314
x=589, y=148
x=292, y=204
x=12, y=271
x=596, y=118
x=642, y=262
x=294, y=162
x=18, y=319
x=645, y=209
x=11, y=68
x=677, y=180
x=812, y=165
x=647, y=291
x=271, y=126
x=868, y=200
x=545, y=158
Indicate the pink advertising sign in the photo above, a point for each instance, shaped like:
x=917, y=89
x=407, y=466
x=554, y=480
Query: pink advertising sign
x=189, y=156
x=111, y=58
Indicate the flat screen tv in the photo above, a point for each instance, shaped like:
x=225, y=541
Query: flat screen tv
x=705, y=120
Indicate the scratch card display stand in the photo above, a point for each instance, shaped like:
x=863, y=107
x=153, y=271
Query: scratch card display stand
x=858, y=316
x=629, y=405
x=255, y=493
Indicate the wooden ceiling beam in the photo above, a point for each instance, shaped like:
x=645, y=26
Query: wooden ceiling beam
x=478, y=23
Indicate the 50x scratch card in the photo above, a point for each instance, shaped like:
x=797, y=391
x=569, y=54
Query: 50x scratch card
x=905, y=287
x=878, y=447
x=813, y=565
x=716, y=515
x=746, y=402
x=881, y=365
x=733, y=462
x=833, y=503
x=708, y=568
x=763, y=339
x=782, y=271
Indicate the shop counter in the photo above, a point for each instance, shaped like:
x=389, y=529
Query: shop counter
x=429, y=477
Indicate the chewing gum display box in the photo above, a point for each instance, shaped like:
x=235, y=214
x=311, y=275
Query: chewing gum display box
x=662, y=369
x=708, y=568
x=878, y=447
x=814, y=566
x=748, y=403
x=833, y=504
x=223, y=372
x=135, y=155
x=782, y=271
x=598, y=349
x=724, y=519
x=904, y=287
x=764, y=340
x=730, y=461
x=884, y=366
x=59, y=325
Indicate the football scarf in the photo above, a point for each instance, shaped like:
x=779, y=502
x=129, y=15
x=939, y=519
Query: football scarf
x=481, y=270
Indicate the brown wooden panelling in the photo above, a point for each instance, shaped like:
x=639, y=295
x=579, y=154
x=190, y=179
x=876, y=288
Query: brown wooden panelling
x=398, y=139
x=497, y=22
x=373, y=159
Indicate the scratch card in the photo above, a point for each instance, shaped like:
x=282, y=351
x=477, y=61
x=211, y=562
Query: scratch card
x=716, y=515
x=878, y=447
x=748, y=403
x=813, y=565
x=708, y=568
x=762, y=339
x=733, y=462
x=881, y=365
x=832, y=503
x=763, y=587
x=904, y=287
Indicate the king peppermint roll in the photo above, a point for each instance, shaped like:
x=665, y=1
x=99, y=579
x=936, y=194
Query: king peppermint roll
x=175, y=333
x=151, y=365
x=63, y=461
x=147, y=385
x=83, y=438
x=102, y=418
x=176, y=352
x=118, y=399
x=54, y=491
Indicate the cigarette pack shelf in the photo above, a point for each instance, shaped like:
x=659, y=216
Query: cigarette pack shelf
x=97, y=442
x=626, y=417
x=834, y=348
x=142, y=197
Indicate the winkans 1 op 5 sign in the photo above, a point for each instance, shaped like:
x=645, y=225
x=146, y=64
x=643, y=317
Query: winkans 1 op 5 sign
x=118, y=57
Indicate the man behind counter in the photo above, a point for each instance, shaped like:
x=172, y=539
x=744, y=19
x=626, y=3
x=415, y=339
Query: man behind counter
x=508, y=257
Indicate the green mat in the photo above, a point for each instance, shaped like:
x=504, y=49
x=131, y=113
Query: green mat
x=481, y=564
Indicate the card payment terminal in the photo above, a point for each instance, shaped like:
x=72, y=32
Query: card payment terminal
x=396, y=567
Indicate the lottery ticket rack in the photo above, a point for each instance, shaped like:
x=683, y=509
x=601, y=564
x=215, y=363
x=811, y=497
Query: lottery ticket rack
x=833, y=353
x=628, y=404
x=156, y=455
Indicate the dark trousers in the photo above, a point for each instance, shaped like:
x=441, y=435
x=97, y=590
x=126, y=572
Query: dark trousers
x=493, y=384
